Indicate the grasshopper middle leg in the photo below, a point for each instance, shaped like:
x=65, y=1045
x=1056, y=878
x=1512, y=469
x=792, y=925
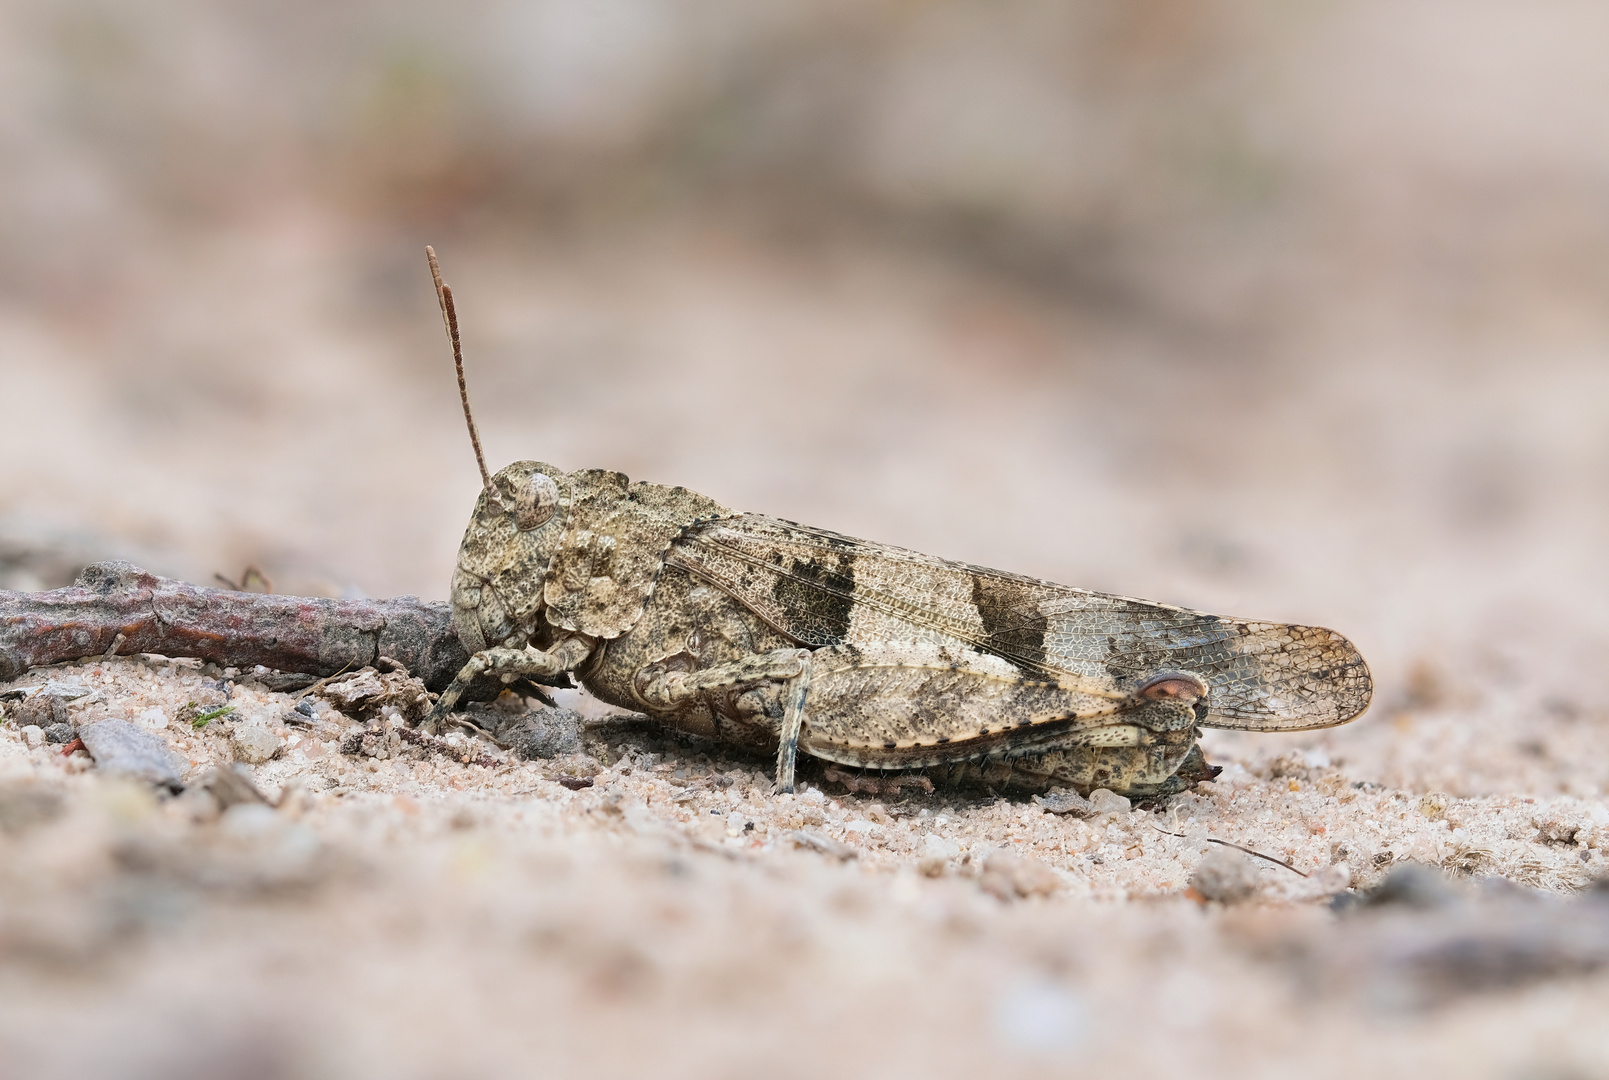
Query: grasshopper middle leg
x=667, y=690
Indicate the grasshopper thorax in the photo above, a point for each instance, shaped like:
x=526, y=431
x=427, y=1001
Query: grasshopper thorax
x=579, y=552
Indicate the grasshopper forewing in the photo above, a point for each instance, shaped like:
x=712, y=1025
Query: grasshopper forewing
x=762, y=632
x=1060, y=683
x=821, y=588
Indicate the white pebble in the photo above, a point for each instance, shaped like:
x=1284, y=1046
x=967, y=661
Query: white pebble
x=253, y=744
x=1102, y=801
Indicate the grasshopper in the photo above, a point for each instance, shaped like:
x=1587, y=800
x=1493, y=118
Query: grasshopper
x=767, y=634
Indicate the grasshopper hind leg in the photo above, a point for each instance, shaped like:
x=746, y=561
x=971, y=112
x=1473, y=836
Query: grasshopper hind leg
x=792, y=724
x=1135, y=772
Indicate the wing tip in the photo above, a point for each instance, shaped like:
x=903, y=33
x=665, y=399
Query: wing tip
x=1323, y=683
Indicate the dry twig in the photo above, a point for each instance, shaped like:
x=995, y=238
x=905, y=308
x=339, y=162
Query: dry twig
x=116, y=606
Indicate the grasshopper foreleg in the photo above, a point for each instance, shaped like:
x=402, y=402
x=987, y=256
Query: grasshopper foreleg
x=509, y=664
x=668, y=690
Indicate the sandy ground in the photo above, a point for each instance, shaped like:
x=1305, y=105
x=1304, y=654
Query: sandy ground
x=412, y=915
x=1418, y=484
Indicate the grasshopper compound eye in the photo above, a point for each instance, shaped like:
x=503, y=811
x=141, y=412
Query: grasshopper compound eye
x=534, y=501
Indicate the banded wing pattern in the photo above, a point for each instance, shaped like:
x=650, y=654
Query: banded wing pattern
x=823, y=589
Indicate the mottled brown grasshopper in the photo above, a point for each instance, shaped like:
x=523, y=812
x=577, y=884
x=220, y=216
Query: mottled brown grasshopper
x=765, y=633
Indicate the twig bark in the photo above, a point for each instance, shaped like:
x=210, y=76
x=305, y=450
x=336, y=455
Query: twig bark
x=115, y=600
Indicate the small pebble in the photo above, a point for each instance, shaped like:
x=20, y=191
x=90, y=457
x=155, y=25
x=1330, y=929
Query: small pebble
x=120, y=748
x=253, y=744
x=152, y=719
x=60, y=733
x=353, y=694
x=541, y=733
x=41, y=710
x=1102, y=801
x=1434, y=804
x=1557, y=831
x=1225, y=875
x=33, y=735
x=1066, y=802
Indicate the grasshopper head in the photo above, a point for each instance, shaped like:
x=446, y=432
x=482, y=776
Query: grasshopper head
x=507, y=550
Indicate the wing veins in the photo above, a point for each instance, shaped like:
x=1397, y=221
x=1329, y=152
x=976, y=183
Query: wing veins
x=921, y=617
x=1264, y=673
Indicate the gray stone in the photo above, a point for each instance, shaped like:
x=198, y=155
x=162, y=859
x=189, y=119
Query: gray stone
x=42, y=710
x=119, y=748
x=542, y=733
x=60, y=733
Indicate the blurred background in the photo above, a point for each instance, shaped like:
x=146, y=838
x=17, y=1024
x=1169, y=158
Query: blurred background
x=1291, y=310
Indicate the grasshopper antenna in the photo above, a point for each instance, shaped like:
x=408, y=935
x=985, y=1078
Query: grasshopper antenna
x=449, y=318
